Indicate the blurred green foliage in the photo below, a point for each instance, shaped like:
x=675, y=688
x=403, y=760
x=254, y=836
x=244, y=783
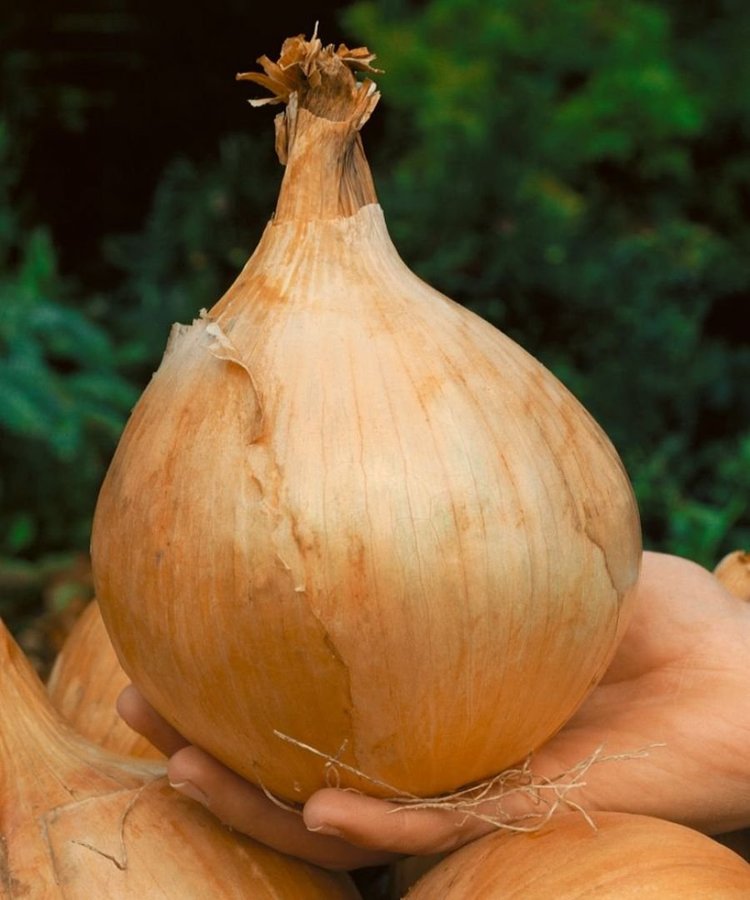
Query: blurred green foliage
x=578, y=173
x=63, y=400
x=203, y=224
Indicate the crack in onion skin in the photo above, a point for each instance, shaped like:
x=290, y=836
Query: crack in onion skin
x=348, y=510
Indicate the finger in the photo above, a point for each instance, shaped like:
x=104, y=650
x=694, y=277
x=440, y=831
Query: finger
x=242, y=806
x=143, y=718
x=378, y=824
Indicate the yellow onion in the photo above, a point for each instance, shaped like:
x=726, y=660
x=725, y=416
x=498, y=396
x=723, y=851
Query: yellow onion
x=626, y=857
x=79, y=822
x=349, y=519
x=733, y=571
x=85, y=682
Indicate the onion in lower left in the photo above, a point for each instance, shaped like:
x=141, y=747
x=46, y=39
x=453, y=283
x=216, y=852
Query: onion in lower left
x=77, y=821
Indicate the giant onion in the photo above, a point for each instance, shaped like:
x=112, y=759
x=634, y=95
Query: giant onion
x=349, y=523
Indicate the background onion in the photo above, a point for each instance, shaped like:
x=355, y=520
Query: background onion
x=733, y=571
x=624, y=856
x=80, y=822
x=85, y=682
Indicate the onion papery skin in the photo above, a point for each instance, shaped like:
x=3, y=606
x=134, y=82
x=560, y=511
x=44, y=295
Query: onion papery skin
x=85, y=682
x=733, y=571
x=158, y=843
x=625, y=857
x=348, y=511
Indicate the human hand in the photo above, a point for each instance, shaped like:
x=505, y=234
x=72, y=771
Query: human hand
x=678, y=684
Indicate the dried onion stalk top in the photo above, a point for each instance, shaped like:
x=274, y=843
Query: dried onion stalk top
x=326, y=106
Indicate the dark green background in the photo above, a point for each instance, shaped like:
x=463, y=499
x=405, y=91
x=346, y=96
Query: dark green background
x=577, y=172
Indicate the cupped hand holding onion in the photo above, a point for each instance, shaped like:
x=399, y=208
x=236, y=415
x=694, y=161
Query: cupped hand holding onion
x=349, y=524
x=679, y=679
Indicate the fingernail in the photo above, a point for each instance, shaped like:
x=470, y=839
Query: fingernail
x=323, y=828
x=188, y=789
